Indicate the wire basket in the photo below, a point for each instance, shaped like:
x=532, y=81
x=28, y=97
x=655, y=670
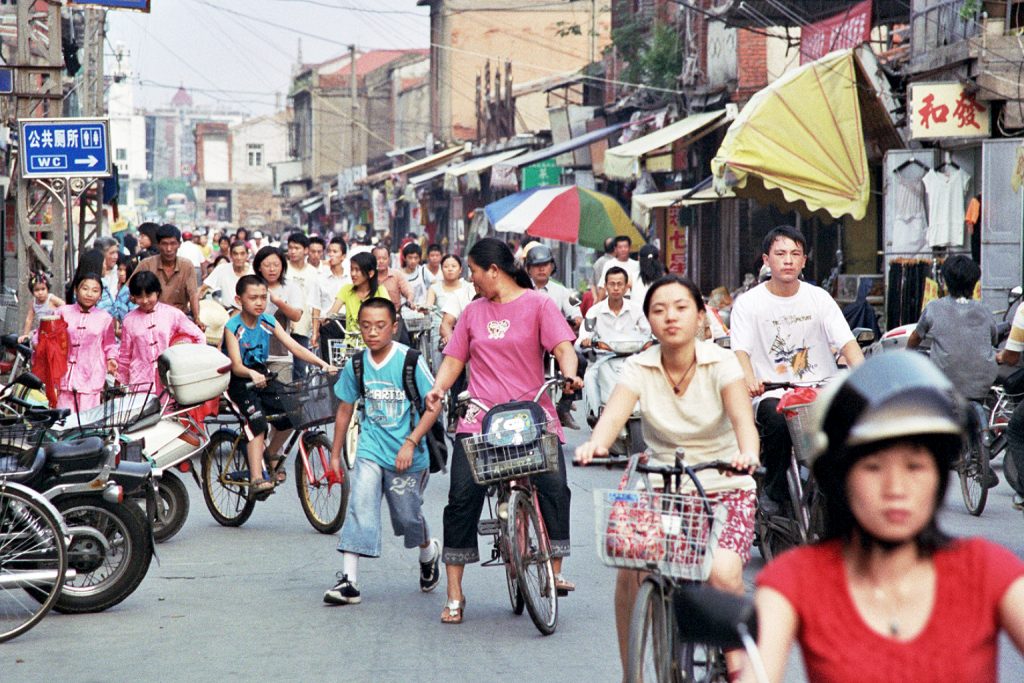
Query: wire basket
x=337, y=345
x=416, y=323
x=490, y=464
x=132, y=405
x=20, y=437
x=310, y=401
x=798, y=420
x=671, y=533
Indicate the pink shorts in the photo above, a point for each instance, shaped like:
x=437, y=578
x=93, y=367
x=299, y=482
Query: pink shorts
x=738, y=533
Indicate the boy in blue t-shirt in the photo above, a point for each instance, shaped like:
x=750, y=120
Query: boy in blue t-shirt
x=391, y=460
x=247, y=343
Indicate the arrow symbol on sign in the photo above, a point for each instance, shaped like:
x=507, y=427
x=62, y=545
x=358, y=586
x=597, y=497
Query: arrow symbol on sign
x=89, y=161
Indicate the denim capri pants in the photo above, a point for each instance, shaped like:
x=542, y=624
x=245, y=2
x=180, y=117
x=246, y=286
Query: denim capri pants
x=361, y=533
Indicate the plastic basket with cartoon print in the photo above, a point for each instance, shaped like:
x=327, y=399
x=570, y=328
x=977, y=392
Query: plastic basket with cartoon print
x=310, y=401
x=338, y=345
x=638, y=527
x=490, y=463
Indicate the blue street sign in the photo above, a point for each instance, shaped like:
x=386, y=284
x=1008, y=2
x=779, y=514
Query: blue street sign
x=141, y=5
x=6, y=80
x=64, y=148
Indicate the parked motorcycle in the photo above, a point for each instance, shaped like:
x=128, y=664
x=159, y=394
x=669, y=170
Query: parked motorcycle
x=111, y=544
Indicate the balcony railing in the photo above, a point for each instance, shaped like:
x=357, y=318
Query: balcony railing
x=936, y=24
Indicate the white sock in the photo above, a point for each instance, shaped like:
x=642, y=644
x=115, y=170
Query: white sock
x=351, y=564
x=429, y=553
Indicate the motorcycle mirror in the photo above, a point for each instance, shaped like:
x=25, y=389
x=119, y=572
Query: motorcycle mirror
x=1016, y=292
x=589, y=324
x=864, y=335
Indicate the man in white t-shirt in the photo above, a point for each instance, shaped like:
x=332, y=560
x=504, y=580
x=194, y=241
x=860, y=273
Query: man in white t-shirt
x=225, y=276
x=192, y=252
x=432, y=268
x=303, y=275
x=785, y=330
x=615, y=318
x=328, y=284
x=620, y=258
x=315, y=256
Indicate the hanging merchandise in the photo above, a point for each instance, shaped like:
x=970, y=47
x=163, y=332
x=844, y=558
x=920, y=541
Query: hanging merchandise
x=905, y=294
x=973, y=220
x=909, y=230
x=946, y=192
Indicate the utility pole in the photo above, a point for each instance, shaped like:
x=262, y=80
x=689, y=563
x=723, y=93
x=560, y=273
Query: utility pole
x=353, y=91
x=40, y=205
x=593, y=31
x=93, y=85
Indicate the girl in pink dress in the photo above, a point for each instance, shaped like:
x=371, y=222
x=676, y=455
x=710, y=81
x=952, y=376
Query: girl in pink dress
x=92, y=346
x=148, y=331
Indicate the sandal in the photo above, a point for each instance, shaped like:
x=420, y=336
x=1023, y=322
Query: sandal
x=562, y=586
x=261, y=488
x=276, y=465
x=453, y=612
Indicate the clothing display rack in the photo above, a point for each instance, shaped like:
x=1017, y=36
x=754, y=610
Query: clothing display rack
x=906, y=290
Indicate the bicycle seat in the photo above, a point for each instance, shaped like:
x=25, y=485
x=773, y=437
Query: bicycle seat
x=14, y=468
x=76, y=454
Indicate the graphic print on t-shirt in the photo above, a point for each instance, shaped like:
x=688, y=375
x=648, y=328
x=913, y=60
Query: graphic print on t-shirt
x=785, y=351
x=496, y=329
x=385, y=403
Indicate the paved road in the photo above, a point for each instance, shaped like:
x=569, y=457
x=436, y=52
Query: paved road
x=223, y=604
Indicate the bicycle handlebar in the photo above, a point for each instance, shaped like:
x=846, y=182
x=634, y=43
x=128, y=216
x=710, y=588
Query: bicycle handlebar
x=665, y=469
x=269, y=375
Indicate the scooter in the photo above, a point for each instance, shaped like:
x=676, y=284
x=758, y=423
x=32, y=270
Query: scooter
x=601, y=378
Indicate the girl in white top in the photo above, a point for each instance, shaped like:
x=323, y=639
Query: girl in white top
x=692, y=395
x=450, y=288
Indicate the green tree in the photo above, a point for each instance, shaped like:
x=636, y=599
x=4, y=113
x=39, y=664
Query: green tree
x=652, y=54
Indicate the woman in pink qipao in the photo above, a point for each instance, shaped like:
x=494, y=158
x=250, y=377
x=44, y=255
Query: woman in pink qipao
x=92, y=347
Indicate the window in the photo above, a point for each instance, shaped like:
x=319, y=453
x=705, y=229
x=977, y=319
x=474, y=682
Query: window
x=121, y=154
x=255, y=154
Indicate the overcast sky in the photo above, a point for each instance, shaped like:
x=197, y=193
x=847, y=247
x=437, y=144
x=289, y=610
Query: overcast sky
x=236, y=55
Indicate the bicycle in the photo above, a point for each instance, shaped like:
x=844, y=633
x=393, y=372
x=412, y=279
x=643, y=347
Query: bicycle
x=802, y=519
x=671, y=535
x=418, y=323
x=225, y=478
x=504, y=457
x=33, y=556
x=986, y=440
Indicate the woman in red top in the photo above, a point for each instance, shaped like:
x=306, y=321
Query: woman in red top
x=887, y=595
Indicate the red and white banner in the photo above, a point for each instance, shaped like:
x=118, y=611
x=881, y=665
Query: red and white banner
x=843, y=31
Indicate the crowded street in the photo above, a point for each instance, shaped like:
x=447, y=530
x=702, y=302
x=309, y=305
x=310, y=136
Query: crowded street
x=225, y=604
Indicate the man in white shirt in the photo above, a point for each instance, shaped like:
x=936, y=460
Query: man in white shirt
x=224, y=277
x=329, y=284
x=432, y=268
x=540, y=265
x=598, y=278
x=315, y=257
x=623, y=245
x=785, y=330
x=304, y=277
x=192, y=251
x=615, y=318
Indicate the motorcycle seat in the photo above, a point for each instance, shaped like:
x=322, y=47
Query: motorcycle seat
x=15, y=468
x=73, y=450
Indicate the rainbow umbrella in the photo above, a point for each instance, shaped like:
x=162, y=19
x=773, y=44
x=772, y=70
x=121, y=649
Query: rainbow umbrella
x=565, y=213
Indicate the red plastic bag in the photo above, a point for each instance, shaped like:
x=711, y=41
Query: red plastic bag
x=797, y=397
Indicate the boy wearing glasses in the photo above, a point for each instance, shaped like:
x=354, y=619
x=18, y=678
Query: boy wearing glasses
x=392, y=460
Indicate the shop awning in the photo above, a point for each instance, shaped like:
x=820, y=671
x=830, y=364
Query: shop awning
x=643, y=204
x=417, y=166
x=472, y=169
x=799, y=142
x=504, y=173
x=311, y=204
x=623, y=162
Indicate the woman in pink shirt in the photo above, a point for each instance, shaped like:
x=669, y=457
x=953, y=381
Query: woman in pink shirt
x=149, y=330
x=504, y=335
x=91, y=341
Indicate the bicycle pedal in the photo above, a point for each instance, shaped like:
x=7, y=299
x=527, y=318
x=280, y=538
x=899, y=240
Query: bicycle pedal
x=237, y=476
x=489, y=527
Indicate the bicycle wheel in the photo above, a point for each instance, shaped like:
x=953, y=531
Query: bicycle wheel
x=973, y=465
x=352, y=439
x=531, y=555
x=650, y=648
x=701, y=664
x=515, y=596
x=225, y=479
x=32, y=555
x=323, y=503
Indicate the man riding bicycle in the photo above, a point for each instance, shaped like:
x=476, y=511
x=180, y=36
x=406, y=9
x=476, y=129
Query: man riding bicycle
x=785, y=330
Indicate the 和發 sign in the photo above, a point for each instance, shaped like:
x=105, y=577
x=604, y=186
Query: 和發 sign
x=64, y=148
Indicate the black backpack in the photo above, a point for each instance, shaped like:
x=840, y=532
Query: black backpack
x=436, y=447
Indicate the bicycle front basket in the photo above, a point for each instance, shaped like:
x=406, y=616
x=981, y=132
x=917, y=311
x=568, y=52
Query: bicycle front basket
x=490, y=462
x=310, y=401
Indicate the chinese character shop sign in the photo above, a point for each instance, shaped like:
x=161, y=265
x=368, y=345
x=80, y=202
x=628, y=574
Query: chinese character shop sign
x=64, y=148
x=676, y=239
x=946, y=110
